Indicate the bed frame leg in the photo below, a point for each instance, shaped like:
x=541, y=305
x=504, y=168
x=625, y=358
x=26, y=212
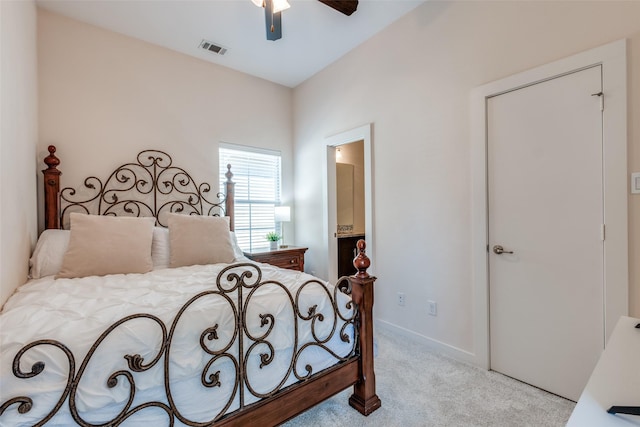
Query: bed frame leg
x=364, y=397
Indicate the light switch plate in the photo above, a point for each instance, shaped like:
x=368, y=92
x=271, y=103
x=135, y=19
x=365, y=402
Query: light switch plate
x=635, y=183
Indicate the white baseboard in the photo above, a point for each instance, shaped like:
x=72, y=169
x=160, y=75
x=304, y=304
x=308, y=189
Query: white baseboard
x=449, y=350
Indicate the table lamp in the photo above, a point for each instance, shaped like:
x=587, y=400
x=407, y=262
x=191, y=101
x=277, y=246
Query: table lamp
x=282, y=214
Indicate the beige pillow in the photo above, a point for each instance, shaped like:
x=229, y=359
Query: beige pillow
x=101, y=245
x=199, y=240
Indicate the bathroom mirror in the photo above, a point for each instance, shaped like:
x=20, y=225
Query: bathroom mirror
x=344, y=184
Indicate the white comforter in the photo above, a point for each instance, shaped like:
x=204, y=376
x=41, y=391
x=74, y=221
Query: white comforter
x=76, y=311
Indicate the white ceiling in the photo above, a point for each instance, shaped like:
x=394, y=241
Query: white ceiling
x=313, y=34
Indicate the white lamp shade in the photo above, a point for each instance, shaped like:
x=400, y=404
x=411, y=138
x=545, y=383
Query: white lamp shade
x=280, y=5
x=282, y=213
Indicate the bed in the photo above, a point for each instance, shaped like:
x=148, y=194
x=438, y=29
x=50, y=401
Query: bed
x=165, y=322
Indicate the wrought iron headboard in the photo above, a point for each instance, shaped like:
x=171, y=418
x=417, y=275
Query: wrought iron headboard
x=151, y=186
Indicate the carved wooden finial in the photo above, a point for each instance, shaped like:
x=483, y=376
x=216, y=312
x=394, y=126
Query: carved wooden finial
x=362, y=261
x=229, y=175
x=51, y=160
x=51, y=183
x=229, y=200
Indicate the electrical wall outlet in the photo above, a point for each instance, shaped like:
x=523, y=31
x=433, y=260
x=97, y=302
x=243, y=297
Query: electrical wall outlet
x=635, y=183
x=400, y=298
x=433, y=308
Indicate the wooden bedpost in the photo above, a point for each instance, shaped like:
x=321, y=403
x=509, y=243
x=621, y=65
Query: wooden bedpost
x=52, y=190
x=229, y=200
x=364, y=397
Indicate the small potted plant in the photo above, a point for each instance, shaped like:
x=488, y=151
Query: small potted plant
x=273, y=238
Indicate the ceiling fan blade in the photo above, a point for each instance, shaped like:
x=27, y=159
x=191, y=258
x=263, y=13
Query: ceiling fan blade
x=345, y=6
x=272, y=21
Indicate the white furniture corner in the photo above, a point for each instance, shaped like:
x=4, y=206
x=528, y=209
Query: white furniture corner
x=615, y=381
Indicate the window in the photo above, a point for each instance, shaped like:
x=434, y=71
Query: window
x=256, y=173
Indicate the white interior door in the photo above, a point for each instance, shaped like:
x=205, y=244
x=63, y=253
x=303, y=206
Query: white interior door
x=332, y=217
x=545, y=203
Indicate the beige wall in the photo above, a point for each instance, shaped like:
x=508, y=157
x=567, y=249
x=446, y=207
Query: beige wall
x=104, y=97
x=413, y=82
x=18, y=137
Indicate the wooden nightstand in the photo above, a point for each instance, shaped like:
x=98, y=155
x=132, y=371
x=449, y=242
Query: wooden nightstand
x=291, y=257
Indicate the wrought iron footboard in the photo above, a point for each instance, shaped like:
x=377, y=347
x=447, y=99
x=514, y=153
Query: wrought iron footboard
x=236, y=286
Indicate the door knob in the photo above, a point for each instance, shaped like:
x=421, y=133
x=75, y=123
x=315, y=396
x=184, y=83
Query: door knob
x=497, y=249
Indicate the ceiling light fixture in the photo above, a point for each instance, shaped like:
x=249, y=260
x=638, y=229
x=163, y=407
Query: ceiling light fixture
x=272, y=16
x=274, y=8
x=278, y=5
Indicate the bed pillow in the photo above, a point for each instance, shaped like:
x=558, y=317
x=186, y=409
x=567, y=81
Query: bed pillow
x=49, y=252
x=237, y=252
x=160, y=248
x=199, y=240
x=101, y=245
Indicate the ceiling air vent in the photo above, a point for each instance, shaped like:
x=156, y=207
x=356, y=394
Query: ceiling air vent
x=207, y=45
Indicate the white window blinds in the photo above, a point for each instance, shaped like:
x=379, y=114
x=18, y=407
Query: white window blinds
x=256, y=173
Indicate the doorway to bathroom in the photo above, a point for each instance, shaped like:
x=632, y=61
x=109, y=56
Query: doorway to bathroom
x=349, y=199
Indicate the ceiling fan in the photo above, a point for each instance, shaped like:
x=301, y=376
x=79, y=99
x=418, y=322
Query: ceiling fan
x=273, y=13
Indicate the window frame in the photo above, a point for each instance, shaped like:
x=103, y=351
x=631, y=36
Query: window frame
x=254, y=215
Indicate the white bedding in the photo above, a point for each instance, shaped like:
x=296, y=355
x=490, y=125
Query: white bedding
x=77, y=311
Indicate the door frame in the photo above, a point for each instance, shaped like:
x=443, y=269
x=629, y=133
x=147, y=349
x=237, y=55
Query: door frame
x=613, y=58
x=361, y=133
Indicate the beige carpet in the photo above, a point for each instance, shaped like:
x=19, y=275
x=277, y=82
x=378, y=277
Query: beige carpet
x=419, y=387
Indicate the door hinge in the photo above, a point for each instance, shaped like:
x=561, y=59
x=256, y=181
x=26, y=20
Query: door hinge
x=602, y=232
x=601, y=96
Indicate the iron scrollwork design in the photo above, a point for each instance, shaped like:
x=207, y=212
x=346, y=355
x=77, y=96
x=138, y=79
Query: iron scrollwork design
x=250, y=339
x=150, y=187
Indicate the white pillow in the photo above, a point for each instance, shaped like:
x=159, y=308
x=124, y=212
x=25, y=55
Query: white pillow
x=49, y=253
x=160, y=248
x=199, y=240
x=101, y=245
x=237, y=252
